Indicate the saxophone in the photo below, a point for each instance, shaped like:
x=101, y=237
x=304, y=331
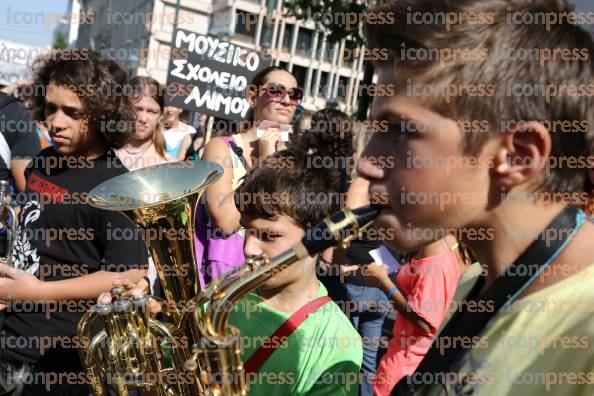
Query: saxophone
x=218, y=355
x=195, y=347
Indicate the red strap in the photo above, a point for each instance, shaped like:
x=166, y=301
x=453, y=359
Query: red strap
x=258, y=358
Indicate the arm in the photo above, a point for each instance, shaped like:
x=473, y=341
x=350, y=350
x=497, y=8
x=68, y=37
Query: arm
x=183, y=149
x=24, y=146
x=17, y=170
x=19, y=285
x=378, y=276
x=358, y=194
x=88, y=286
x=220, y=203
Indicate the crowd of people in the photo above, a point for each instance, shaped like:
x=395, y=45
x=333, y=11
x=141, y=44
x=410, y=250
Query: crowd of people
x=507, y=314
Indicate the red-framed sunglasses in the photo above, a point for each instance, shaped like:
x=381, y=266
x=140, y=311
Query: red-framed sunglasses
x=276, y=92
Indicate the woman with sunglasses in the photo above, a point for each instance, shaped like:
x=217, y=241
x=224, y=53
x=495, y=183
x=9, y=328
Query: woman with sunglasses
x=273, y=96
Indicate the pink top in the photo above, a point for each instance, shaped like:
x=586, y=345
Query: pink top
x=429, y=285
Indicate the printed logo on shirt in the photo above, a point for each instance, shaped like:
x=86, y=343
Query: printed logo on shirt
x=46, y=188
x=23, y=255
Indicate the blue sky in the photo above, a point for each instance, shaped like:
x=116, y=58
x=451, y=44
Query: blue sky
x=37, y=34
x=13, y=14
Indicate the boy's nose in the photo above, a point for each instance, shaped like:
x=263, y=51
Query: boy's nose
x=59, y=120
x=251, y=247
x=367, y=169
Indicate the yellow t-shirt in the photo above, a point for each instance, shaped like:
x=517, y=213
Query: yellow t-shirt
x=542, y=344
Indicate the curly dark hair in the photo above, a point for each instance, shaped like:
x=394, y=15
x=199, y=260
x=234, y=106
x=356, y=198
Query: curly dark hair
x=333, y=133
x=101, y=85
x=331, y=137
x=303, y=193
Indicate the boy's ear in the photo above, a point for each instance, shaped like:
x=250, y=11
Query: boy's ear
x=523, y=154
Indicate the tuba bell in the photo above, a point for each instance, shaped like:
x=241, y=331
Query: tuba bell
x=132, y=349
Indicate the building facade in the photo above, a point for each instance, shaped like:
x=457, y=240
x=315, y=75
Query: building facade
x=138, y=34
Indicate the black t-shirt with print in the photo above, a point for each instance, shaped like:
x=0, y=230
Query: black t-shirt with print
x=64, y=238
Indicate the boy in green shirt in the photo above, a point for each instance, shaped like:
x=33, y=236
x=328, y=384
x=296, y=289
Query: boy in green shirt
x=323, y=355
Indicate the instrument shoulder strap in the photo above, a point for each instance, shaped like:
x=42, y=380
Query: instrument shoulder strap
x=501, y=293
x=262, y=354
x=236, y=149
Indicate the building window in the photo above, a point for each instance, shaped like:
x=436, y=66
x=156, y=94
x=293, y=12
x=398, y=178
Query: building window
x=300, y=74
x=321, y=89
x=287, y=37
x=266, y=37
x=341, y=92
x=349, y=55
x=304, y=42
x=167, y=19
x=328, y=53
x=271, y=4
x=246, y=24
x=164, y=52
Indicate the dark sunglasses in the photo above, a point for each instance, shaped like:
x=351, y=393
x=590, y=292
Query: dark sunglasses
x=276, y=92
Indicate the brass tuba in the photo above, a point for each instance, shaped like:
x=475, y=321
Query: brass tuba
x=128, y=349
x=133, y=349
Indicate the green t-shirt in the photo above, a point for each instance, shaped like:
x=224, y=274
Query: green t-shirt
x=541, y=345
x=322, y=357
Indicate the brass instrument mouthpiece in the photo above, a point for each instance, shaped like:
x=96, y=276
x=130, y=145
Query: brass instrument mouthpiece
x=340, y=227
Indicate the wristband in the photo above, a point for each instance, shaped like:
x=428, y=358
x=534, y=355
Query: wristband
x=391, y=292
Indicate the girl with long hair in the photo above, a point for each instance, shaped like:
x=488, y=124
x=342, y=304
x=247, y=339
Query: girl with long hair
x=147, y=145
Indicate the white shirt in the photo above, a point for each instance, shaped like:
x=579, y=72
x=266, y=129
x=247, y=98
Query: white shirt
x=174, y=137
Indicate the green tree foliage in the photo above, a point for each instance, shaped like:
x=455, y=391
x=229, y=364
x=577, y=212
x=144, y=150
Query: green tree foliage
x=334, y=17
x=340, y=19
x=60, y=42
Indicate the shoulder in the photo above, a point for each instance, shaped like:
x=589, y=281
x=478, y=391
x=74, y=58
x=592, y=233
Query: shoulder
x=216, y=147
x=15, y=110
x=250, y=306
x=339, y=345
x=186, y=128
x=49, y=151
x=334, y=323
x=108, y=165
x=39, y=161
x=566, y=305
